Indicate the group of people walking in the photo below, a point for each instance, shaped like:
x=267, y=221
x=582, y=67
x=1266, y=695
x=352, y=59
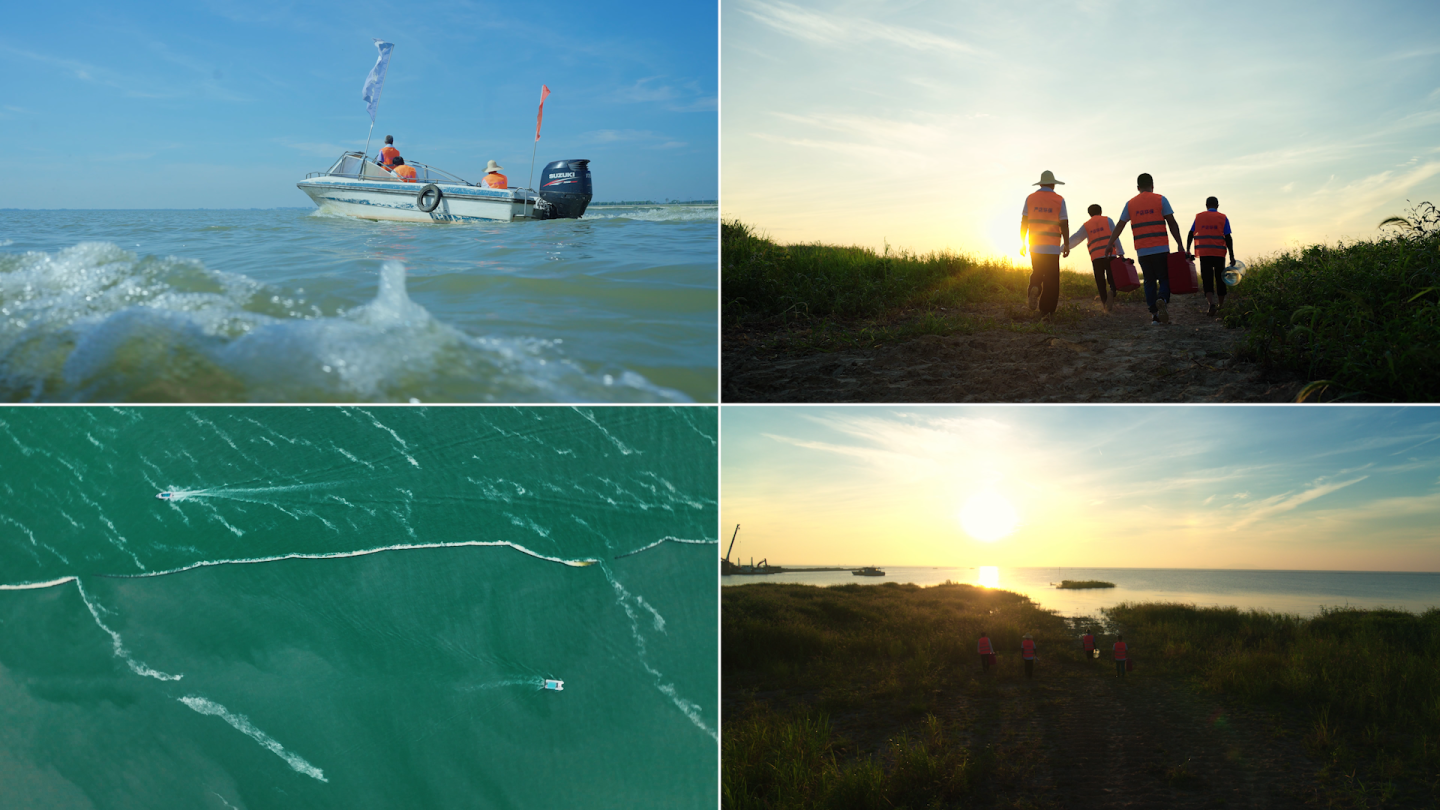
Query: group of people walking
x=1119, y=649
x=1045, y=232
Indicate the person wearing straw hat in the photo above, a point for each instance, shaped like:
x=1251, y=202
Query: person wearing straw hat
x=1027, y=652
x=493, y=177
x=1044, y=225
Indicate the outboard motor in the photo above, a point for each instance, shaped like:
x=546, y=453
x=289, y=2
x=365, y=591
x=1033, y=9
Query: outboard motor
x=565, y=189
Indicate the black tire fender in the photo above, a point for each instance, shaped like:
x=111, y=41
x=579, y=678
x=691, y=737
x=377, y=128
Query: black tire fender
x=424, y=192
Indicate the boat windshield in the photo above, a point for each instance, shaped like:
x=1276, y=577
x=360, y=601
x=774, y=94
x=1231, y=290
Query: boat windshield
x=354, y=164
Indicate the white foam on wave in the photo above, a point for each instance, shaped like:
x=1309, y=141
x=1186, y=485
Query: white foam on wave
x=624, y=449
x=95, y=322
x=668, y=539
x=581, y=562
x=657, y=213
x=138, y=667
x=691, y=709
x=242, y=724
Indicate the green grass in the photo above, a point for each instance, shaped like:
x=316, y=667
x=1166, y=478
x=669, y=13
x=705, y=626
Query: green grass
x=1364, y=681
x=1084, y=583
x=1362, y=320
x=792, y=761
x=882, y=649
x=896, y=638
x=762, y=281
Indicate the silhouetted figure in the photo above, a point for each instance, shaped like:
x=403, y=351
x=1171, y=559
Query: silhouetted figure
x=987, y=652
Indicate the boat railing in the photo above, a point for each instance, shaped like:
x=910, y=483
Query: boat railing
x=370, y=170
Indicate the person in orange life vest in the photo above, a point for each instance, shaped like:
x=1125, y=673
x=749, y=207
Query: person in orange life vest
x=987, y=652
x=1120, y=652
x=1027, y=652
x=1087, y=643
x=1151, y=213
x=403, y=172
x=1211, y=233
x=493, y=177
x=1096, y=230
x=388, y=154
x=1043, y=225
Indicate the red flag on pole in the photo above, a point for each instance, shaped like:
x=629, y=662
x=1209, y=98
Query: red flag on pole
x=544, y=93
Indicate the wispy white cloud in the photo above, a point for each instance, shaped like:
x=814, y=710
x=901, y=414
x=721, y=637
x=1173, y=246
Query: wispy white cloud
x=1279, y=504
x=840, y=30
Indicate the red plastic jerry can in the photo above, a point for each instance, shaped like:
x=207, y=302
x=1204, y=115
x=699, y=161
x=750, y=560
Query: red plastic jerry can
x=1184, y=278
x=1125, y=275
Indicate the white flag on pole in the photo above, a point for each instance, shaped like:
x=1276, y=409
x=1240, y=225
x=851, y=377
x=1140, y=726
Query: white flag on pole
x=376, y=80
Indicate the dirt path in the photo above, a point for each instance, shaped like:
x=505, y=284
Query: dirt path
x=1102, y=357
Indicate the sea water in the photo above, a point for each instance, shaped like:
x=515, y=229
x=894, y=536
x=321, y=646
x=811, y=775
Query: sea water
x=292, y=305
x=357, y=607
x=1299, y=592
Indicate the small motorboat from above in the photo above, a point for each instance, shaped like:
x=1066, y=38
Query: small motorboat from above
x=359, y=187
x=555, y=685
x=167, y=495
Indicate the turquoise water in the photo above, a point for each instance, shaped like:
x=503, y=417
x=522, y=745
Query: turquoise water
x=352, y=607
x=293, y=306
x=1299, y=592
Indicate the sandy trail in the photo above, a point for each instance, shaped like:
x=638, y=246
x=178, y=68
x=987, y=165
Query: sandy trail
x=1105, y=357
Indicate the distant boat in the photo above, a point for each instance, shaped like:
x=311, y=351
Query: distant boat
x=553, y=684
x=869, y=571
x=167, y=495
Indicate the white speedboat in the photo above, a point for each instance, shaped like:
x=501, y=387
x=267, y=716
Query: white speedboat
x=357, y=186
x=551, y=683
x=166, y=496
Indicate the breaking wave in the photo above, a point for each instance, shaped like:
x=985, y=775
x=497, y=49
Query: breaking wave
x=95, y=322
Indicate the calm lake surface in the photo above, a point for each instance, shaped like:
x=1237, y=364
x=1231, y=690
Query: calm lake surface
x=293, y=306
x=349, y=607
x=1300, y=592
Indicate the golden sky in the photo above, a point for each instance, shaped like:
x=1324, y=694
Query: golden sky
x=1334, y=488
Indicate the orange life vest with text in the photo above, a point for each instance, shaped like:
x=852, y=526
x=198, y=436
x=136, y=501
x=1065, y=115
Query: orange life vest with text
x=496, y=180
x=985, y=648
x=1043, y=210
x=1027, y=648
x=1147, y=221
x=1119, y=651
x=1097, y=232
x=1210, y=233
x=406, y=173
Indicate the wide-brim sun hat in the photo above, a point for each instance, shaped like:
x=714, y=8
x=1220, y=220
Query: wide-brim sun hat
x=1047, y=178
x=493, y=167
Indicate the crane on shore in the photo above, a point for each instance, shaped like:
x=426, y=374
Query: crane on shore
x=727, y=567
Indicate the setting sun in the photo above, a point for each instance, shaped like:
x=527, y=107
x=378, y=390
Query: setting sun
x=989, y=576
x=988, y=516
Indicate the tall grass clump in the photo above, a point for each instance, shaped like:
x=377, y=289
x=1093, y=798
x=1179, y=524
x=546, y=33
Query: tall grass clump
x=774, y=761
x=904, y=635
x=1367, y=678
x=763, y=280
x=1361, y=320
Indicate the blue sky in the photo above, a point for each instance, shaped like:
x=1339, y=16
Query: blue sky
x=926, y=122
x=1332, y=488
x=225, y=104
